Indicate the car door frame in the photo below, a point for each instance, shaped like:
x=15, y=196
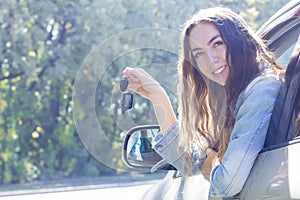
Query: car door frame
x=278, y=140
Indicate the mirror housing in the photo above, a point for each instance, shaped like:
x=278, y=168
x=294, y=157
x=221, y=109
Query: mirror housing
x=138, y=148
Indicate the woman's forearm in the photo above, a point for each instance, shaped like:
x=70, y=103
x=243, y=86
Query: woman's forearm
x=163, y=110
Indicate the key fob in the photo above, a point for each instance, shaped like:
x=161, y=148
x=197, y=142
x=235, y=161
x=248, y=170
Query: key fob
x=123, y=84
x=127, y=101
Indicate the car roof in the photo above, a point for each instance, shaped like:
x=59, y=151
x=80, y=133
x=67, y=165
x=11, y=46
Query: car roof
x=290, y=10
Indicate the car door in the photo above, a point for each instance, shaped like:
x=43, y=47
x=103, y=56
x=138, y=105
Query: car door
x=276, y=174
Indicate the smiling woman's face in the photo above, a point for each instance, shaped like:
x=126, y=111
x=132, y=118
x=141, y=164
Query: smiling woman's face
x=209, y=51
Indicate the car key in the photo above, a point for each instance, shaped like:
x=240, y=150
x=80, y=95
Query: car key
x=127, y=101
x=127, y=97
x=123, y=84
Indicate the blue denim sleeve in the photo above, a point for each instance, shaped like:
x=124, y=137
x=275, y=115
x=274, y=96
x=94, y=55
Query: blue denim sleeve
x=253, y=113
x=167, y=147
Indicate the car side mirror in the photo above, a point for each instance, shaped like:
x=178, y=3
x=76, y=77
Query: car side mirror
x=138, y=148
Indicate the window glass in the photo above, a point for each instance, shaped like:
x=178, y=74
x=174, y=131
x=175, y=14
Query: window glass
x=295, y=124
x=297, y=114
x=285, y=57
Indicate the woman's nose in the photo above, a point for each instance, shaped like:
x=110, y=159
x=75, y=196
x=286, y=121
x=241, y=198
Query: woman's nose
x=213, y=57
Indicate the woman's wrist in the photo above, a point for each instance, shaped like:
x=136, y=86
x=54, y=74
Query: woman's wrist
x=157, y=92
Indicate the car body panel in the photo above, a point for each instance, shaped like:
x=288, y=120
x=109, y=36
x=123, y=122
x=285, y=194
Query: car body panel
x=274, y=176
x=293, y=169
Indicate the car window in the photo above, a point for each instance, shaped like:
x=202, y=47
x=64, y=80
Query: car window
x=284, y=124
x=285, y=57
x=294, y=92
x=294, y=126
x=295, y=123
x=297, y=114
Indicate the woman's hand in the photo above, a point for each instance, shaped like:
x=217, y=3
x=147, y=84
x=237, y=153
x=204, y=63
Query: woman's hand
x=144, y=84
x=209, y=164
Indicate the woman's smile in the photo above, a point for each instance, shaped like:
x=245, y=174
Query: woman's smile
x=220, y=70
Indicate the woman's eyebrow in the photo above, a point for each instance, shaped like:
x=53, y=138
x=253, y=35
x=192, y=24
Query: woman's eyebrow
x=196, y=49
x=212, y=39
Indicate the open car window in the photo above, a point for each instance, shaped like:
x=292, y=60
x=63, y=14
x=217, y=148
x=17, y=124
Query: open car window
x=295, y=122
x=284, y=124
x=297, y=115
x=281, y=34
x=285, y=57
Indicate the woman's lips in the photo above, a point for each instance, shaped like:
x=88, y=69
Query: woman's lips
x=220, y=70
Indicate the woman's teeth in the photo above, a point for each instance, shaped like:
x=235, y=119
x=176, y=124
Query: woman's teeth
x=220, y=70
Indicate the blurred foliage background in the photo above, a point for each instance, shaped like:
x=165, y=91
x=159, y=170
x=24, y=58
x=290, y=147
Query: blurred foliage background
x=44, y=43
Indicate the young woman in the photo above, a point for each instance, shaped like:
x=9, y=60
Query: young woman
x=228, y=86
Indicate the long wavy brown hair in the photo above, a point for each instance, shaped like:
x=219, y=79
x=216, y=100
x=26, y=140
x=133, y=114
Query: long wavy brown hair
x=206, y=108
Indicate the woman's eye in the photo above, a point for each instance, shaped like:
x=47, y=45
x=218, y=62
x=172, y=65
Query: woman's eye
x=218, y=43
x=197, y=55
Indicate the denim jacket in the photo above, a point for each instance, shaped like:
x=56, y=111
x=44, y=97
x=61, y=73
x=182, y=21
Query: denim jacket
x=253, y=112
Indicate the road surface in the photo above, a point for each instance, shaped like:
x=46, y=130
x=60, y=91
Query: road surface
x=134, y=191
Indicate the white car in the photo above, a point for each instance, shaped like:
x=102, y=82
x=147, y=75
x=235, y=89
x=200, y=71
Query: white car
x=276, y=172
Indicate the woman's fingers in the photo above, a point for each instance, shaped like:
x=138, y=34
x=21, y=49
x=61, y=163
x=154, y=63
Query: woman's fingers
x=136, y=73
x=209, y=163
x=141, y=82
x=133, y=86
